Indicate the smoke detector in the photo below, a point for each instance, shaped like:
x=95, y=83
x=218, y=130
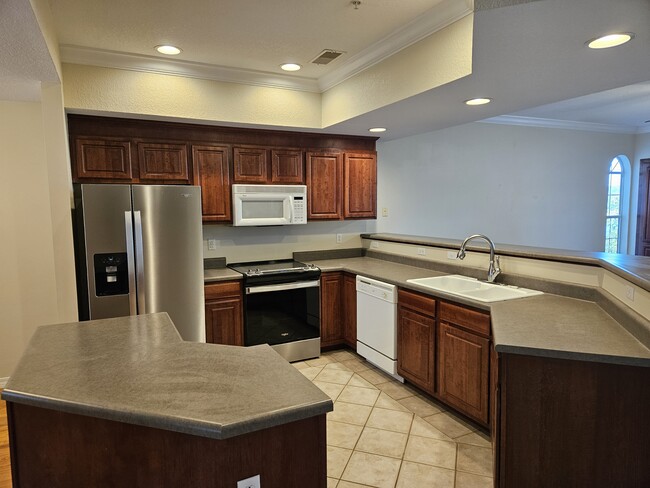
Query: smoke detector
x=327, y=56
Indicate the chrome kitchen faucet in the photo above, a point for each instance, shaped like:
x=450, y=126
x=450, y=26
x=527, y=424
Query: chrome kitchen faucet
x=493, y=269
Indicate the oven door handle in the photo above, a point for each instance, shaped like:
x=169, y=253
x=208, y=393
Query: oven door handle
x=283, y=286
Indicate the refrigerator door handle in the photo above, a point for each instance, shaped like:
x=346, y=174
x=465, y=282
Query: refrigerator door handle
x=139, y=261
x=130, y=259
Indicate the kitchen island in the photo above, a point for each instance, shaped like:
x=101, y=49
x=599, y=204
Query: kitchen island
x=125, y=402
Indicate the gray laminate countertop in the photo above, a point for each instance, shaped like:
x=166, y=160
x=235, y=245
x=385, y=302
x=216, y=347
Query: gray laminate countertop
x=220, y=274
x=547, y=325
x=137, y=370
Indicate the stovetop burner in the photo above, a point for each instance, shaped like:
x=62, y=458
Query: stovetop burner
x=280, y=271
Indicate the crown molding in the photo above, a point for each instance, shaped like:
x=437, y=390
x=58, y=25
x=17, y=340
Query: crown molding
x=436, y=18
x=564, y=124
x=151, y=64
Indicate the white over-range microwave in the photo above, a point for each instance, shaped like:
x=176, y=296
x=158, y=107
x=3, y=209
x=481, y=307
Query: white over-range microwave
x=269, y=204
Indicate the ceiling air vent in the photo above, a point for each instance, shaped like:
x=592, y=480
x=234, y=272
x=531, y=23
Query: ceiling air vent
x=327, y=56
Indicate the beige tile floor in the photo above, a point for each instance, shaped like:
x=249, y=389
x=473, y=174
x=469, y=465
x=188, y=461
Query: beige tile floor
x=384, y=434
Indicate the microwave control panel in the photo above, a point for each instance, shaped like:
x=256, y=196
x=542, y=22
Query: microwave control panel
x=299, y=210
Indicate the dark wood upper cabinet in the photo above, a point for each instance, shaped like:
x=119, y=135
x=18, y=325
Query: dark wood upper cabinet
x=340, y=171
x=212, y=166
x=163, y=161
x=360, y=177
x=324, y=185
x=102, y=159
x=287, y=166
x=250, y=164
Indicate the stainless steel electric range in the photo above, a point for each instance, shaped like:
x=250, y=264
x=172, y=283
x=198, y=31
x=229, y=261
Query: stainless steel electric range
x=282, y=307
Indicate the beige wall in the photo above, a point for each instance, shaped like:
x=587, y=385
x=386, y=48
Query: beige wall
x=116, y=91
x=36, y=253
x=440, y=58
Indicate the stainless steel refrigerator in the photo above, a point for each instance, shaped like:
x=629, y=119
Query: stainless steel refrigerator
x=139, y=249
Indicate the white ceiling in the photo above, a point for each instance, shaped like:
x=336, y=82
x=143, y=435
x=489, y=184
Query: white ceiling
x=529, y=56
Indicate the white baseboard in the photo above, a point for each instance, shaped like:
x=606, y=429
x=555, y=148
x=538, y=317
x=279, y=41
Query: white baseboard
x=3, y=382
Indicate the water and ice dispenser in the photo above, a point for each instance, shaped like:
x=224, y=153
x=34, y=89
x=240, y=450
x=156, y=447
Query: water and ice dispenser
x=111, y=274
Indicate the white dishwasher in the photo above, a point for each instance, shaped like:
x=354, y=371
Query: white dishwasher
x=377, y=324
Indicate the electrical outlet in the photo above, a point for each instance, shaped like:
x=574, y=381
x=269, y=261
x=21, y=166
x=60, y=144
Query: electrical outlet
x=629, y=293
x=252, y=482
x=212, y=244
x=452, y=255
x=339, y=238
x=374, y=245
x=384, y=212
x=422, y=251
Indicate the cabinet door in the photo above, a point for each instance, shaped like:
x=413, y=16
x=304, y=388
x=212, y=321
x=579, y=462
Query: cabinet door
x=324, y=178
x=331, y=287
x=166, y=162
x=223, y=321
x=103, y=159
x=250, y=165
x=415, y=347
x=287, y=166
x=350, y=310
x=463, y=361
x=224, y=313
x=360, y=194
x=213, y=168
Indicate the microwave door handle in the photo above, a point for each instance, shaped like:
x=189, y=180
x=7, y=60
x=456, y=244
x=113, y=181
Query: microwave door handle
x=290, y=210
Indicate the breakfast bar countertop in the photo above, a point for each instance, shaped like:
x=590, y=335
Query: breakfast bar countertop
x=547, y=325
x=137, y=370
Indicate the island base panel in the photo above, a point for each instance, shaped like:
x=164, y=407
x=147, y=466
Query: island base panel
x=57, y=449
x=573, y=424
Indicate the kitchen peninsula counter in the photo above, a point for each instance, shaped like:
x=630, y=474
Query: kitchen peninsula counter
x=131, y=384
x=548, y=325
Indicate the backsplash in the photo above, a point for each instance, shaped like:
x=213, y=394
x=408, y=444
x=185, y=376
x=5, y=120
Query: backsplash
x=241, y=244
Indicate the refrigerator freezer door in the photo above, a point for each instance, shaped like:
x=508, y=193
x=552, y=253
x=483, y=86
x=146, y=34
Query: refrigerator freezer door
x=104, y=235
x=172, y=251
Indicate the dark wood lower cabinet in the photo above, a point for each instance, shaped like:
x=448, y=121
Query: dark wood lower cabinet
x=416, y=339
x=463, y=365
x=338, y=309
x=350, y=310
x=224, y=313
x=331, y=308
x=57, y=449
x=572, y=424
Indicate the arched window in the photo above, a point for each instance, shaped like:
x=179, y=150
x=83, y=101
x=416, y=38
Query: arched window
x=614, y=219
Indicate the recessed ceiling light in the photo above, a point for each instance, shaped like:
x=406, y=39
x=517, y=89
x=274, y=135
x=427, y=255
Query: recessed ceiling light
x=169, y=50
x=290, y=66
x=478, y=101
x=610, y=40
x=377, y=129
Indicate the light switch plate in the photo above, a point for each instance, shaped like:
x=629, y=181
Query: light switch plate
x=374, y=245
x=252, y=482
x=452, y=255
x=212, y=244
x=422, y=251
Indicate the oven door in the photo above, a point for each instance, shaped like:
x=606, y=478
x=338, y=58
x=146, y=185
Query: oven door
x=282, y=313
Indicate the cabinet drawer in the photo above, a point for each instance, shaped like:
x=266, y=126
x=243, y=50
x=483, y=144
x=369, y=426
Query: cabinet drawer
x=222, y=289
x=416, y=301
x=470, y=319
